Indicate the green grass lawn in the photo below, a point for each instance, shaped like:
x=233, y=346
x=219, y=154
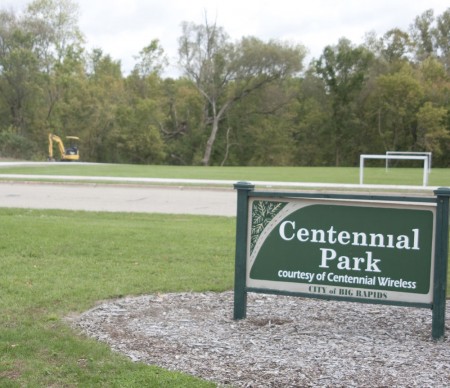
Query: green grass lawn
x=57, y=262
x=375, y=175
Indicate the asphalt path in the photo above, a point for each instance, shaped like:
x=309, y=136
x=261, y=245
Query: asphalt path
x=119, y=198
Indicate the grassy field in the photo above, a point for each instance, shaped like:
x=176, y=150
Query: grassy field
x=375, y=175
x=56, y=263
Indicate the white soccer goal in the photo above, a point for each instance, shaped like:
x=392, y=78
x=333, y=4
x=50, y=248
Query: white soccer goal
x=425, y=159
x=410, y=153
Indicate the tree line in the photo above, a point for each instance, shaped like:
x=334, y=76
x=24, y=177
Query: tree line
x=245, y=102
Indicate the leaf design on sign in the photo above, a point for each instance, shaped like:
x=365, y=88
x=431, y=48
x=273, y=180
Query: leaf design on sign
x=262, y=213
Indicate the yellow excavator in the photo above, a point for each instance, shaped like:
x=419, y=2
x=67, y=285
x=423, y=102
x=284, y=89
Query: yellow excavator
x=67, y=154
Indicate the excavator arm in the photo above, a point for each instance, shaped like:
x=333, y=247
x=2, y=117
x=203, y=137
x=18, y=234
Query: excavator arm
x=53, y=138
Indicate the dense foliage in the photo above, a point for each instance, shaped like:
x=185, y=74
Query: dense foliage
x=238, y=103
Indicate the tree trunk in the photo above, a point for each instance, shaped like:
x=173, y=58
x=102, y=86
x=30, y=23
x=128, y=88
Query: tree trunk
x=210, y=142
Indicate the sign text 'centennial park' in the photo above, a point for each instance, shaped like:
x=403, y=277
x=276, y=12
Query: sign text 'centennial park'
x=342, y=248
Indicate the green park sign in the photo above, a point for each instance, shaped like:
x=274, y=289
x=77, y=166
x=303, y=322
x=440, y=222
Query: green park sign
x=387, y=250
x=342, y=248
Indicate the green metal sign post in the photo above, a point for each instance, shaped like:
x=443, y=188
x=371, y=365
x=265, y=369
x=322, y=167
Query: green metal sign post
x=359, y=248
x=441, y=262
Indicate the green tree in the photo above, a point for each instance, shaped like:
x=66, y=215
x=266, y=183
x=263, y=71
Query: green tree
x=136, y=135
x=399, y=96
x=421, y=32
x=258, y=129
x=396, y=46
x=312, y=123
x=138, y=138
x=151, y=59
x=57, y=39
x=433, y=116
x=19, y=69
x=433, y=135
x=343, y=69
x=182, y=129
x=36, y=48
x=225, y=73
x=442, y=37
x=104, y=94
x=55, y=25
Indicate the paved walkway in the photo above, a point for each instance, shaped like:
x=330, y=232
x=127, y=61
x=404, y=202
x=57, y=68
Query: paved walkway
x=94, y=197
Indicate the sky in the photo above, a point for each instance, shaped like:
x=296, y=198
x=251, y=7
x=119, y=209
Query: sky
x=122, y=28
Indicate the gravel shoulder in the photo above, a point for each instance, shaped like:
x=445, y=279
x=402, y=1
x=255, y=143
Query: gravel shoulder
x=284, y=342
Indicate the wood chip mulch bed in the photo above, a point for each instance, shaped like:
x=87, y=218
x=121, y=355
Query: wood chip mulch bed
x=283, y=342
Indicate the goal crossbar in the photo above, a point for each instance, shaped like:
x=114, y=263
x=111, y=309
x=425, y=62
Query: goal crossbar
x=410, y=153
x=425, y=159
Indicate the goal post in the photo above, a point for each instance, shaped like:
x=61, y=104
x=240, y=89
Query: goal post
x=425, y=159
x=410, y=153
